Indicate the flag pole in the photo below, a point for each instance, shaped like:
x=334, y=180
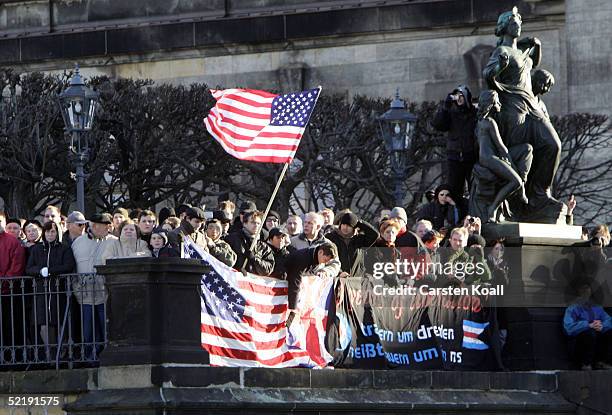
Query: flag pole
x=278, y=183
x=269, y=206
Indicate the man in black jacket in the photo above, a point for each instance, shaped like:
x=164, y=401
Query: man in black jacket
x=351, y=235
x=281, y=249
x=260, y=260
x=320, y=260
x=457, y=116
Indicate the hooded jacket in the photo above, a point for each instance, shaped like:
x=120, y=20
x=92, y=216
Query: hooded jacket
x=460, y=123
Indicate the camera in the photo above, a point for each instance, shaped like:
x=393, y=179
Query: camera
x=471, y=220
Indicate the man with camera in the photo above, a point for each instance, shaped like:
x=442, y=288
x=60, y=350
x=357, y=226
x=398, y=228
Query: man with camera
x=457, y=116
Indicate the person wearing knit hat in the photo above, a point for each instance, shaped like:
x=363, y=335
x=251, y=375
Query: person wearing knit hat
x=351, y=234
x=399, y=213
x=160, y=248
x=217, y=246
x=272, y=220
x=405, y=238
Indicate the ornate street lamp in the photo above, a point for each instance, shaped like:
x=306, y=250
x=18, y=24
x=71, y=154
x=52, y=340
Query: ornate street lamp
x=396, y=129
x=78, y=105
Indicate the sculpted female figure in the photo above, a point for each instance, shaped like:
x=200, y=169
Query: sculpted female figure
x=495, y=156
x=521, y=119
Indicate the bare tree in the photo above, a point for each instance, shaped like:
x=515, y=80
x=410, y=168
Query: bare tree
x=585, y=169
x=33, y=158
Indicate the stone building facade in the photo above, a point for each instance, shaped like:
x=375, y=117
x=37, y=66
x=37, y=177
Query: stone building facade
x=349, y=47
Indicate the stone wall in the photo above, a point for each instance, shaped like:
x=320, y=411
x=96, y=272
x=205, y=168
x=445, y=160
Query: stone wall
x=424, y=48
x=589, y=45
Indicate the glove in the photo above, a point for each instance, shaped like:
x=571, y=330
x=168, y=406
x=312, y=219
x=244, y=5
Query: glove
x=448, y=101
x=44, y=272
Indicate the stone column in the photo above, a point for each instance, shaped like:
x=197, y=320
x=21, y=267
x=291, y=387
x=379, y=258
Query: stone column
x=153, y=311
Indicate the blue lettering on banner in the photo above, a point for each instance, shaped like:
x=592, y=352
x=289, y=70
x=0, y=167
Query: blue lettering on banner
x=366, y=351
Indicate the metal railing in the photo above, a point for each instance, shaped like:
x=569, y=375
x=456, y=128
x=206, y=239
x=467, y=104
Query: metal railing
x=53, y=321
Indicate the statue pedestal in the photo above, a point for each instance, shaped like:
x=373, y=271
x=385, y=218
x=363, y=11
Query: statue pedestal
x=153, y=311
x=542, y=268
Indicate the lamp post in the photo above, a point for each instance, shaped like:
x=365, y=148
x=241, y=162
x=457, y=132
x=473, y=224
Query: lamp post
x=78, y=106
x=396, y=129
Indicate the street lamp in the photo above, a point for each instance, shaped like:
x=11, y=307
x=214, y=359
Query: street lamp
x=78, y=106
x=396, y=128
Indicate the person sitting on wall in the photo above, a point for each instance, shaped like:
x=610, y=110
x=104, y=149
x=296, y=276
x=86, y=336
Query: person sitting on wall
x=589, y=329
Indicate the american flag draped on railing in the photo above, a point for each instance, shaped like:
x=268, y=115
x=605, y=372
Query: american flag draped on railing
x=260, y=126
x=243, y=319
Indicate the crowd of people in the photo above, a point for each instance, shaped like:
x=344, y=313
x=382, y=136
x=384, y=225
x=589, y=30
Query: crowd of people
x=327, y=243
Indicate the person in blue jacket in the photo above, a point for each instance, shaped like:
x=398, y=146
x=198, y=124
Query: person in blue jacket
x=589, y=329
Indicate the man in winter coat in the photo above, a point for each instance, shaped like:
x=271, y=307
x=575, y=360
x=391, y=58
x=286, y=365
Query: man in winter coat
x=260, y=260
x=89, y=289
x=321, y=260
x=246, y=206
x=75, y=224
x=147, y=220
x=351, y=235
x=467, y=266
x=457, y=116
x=312, y=234
x=279, y=244
x=190, y=226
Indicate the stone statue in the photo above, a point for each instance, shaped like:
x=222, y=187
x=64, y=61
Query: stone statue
x=521, y=120
x=496, y=176
x=541, y=82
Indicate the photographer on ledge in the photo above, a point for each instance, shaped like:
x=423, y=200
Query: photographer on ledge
x=457, y=116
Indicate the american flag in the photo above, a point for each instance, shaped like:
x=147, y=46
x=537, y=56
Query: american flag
x=260, y=126
x=243, y=318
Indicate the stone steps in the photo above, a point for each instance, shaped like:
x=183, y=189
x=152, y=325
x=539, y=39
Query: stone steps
x=204, y=390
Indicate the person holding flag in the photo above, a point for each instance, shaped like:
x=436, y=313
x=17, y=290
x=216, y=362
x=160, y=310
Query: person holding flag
x=253, y=254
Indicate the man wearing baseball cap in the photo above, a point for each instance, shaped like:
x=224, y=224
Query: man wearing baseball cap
x=89, y=289
x=278, y=240
x=76, y=223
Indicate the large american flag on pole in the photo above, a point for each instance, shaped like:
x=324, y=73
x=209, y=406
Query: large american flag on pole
x=243, y=319
x=258, y=125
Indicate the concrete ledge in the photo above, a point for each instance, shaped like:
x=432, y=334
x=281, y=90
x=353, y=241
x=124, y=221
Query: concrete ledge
x=240, y=378
x=64, y=381
x=264, y=400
